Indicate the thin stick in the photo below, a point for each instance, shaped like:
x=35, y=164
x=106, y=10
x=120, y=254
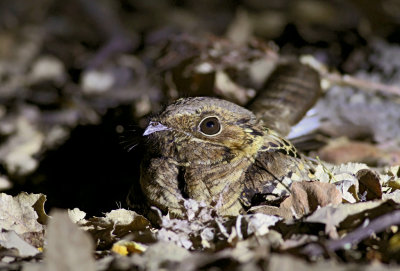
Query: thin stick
x=361, y=83
x=348, y=80
x=379, y=224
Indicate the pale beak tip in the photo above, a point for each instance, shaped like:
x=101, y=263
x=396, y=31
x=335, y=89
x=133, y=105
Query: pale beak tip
x=154, y=127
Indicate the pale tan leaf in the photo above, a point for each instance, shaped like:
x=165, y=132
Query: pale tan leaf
x=113, y=226
x=9, y=239
x=339, y=213
x=69, y=248
x=18, y=214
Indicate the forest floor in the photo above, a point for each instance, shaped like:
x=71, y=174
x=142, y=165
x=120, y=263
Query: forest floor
x=78, y=82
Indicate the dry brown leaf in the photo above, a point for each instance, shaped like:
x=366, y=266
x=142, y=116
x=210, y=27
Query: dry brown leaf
x=342, y=151
x=344, y=177
x=305, y=198
x=113, y=226
x=369, y=184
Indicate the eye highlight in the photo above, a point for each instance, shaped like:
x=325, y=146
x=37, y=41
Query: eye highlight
x=210, y=126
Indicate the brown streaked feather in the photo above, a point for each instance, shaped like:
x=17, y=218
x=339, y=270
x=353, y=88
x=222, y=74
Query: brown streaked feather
x=231, y=167
x=291, y=90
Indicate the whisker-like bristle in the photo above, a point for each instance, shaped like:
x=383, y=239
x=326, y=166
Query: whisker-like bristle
x=130, y=138
x=132, y=147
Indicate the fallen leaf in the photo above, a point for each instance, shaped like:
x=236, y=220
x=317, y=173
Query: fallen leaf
x=113, y=226
x=4, y=183
x=222, y=260
x=307, y=196
x=342, y=151
x=369, y=183
x=9, y=239
x=395, y=184
x=297, y=241
x=395, y=196
x=259, y=224
x=76, y=215
x=394, y=242
x=391, y=178
x=332, y=216
x=69, y=248
x=348, y=189
x=279, y=262
x=176, y=236
x=226, y=87
x=163, y=253
x=18, y=213
x=125, y=247
x=344, y=177
x=273, y=211
x=17, y=153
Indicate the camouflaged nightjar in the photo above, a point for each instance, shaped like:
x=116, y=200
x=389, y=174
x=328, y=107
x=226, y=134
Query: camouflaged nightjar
x=215, y=151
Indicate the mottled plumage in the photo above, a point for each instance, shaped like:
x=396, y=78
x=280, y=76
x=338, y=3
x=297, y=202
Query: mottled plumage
x=215, y=151
x=291, y=90
x=183, y=162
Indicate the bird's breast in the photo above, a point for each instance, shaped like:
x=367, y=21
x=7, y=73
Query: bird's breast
x=220, y=183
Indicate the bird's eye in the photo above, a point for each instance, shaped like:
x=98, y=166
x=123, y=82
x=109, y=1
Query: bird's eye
x=210, y=126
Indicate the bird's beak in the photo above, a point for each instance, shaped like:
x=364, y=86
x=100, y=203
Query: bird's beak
x=155, y=127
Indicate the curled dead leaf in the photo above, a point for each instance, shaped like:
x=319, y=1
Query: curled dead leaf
x=305, y=198
x=369, y=184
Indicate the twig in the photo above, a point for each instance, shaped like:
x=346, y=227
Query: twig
x=348, y=80
x=361, y=83
x=377, y=225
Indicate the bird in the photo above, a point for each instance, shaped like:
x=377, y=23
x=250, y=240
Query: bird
x=217, y=152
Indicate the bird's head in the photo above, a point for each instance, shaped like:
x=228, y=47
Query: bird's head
x=205, y=130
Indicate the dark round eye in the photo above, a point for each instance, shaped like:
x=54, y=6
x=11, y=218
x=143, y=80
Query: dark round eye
x=210, y=126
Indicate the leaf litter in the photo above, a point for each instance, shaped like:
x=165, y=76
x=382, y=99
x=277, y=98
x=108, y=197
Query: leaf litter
x=347, y=220
x=125, y=238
